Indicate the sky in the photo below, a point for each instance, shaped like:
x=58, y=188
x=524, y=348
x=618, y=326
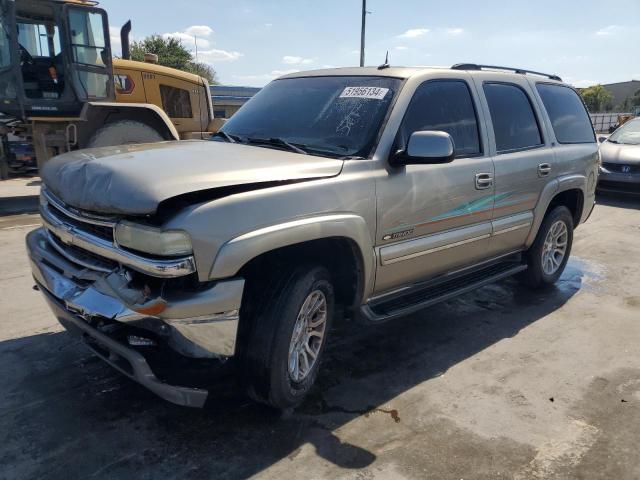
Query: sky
x=251, y=42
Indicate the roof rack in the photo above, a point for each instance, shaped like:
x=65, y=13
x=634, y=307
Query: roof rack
x=522, y=71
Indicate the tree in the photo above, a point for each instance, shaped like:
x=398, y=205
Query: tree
x=635, y=100
x=171, y=53
x=596, y=98
x=203, y=70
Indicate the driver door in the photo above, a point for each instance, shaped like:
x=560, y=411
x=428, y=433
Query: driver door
x=90, y=53
x=10, y=77
x=436, y=218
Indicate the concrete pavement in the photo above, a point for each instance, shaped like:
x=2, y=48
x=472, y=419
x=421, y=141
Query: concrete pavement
x=19, y=195
x=500, y=383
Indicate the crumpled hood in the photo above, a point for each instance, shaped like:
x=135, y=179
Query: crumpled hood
x=620, y=153
x=134, y=179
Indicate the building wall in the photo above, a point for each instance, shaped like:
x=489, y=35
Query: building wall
x=622, y=91
x=227, y=99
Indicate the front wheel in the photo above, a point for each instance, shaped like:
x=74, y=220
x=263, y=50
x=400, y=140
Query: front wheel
x=548, y=256
x=288, y=334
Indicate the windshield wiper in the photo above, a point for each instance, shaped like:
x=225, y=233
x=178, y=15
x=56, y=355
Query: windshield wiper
x=278, y=142
x=228, y=137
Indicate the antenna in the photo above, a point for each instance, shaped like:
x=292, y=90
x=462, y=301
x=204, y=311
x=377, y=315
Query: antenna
x=386, y=62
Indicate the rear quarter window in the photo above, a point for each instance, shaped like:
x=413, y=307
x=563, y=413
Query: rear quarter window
x=567, y=113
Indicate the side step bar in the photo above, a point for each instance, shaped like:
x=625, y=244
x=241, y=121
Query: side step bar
x=440, y=289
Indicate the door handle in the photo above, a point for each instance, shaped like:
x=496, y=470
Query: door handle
x=544, y=169
x=484, y=180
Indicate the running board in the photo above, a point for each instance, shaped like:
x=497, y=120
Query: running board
x=424, y=295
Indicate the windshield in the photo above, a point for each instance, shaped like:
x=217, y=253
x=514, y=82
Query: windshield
x=39, y=40
x=628, y=134
x=338, y=116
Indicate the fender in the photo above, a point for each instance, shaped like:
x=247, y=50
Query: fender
x=234, y=254
x=558, y=185
x=90, y=108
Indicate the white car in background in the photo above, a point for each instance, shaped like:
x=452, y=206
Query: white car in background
x=620, y=154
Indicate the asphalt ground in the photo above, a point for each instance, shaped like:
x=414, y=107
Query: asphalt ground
x=499, y=383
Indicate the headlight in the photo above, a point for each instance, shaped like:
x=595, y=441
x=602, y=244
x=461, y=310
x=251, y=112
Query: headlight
x=153, y=240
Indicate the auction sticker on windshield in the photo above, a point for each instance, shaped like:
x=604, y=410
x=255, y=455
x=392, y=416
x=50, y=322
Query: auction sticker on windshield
x=364, y=92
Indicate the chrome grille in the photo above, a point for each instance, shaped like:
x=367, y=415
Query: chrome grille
x=81, y=256
x=621, y=168
x=87, y=239
x=102, y=231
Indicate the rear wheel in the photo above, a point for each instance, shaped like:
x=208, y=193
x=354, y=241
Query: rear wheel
x=288, y=332
x=550, y=251
x=124, y=132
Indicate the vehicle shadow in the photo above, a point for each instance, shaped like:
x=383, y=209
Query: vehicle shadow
x=618, y=200
x=65, y=414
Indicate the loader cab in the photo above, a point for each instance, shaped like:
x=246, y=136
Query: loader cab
x=54, y=57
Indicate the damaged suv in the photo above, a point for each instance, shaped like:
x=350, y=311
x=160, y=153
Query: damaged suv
x=371, y=191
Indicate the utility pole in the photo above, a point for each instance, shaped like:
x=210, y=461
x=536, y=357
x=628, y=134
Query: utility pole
x=364, y=21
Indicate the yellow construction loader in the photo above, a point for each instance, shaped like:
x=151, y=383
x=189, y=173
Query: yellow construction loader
x=61, y=90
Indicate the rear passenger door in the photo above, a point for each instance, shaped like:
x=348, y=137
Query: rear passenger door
x=575, y=141
x=523, y=158
x=436, y=218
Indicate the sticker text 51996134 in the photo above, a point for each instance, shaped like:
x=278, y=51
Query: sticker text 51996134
x=364, y=92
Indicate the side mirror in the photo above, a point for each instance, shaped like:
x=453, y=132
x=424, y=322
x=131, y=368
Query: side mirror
x=426, y=147
x=602, y=139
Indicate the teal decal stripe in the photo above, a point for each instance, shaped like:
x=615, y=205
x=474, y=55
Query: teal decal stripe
x=479, y=205
x=486, y=203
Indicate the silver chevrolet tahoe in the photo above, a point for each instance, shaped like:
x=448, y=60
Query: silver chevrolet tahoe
x=374, y=192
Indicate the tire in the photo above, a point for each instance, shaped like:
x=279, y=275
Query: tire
x=267, y=356
x=539, y=274
x=124, y=132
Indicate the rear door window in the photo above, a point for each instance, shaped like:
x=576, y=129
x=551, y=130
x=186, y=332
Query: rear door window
x=567, y=113
x=514, y=123
x=447, y=106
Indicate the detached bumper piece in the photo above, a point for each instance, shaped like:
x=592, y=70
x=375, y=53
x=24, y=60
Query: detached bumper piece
x=125, y=359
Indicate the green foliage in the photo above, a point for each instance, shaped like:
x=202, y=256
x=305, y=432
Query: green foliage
x=635, y=100
x=203, y=70
x=597, y=98
x=171, y=53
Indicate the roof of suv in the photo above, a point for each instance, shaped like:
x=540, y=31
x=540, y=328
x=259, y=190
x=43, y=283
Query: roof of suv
x=406, y=72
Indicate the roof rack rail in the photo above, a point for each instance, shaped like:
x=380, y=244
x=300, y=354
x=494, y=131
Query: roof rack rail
x=522, y=71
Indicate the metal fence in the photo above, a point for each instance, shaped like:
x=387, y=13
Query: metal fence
x=603, y=122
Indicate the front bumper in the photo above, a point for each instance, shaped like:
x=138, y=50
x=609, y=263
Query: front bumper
x=124, y=359
x=628, y=183
x=200, y=324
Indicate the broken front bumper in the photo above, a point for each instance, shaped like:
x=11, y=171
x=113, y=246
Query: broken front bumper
x=200, y=324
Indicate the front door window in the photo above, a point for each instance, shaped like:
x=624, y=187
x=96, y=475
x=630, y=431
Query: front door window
x=87, y=37
x=90, y=53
